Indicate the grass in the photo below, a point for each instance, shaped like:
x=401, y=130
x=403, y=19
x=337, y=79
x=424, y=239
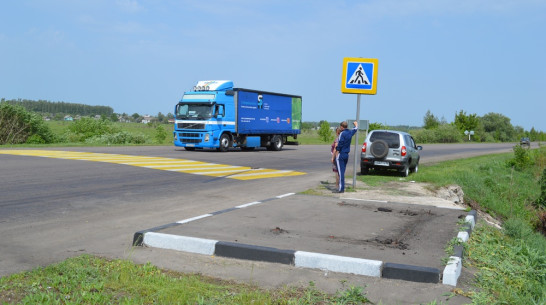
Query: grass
x=147, y=130
x=92, y=280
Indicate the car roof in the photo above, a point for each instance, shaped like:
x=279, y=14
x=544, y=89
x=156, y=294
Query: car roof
x=392, y=131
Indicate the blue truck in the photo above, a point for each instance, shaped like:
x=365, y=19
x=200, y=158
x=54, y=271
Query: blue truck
x=216, y=115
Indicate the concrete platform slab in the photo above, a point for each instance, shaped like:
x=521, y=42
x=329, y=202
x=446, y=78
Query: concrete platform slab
x=413, y=235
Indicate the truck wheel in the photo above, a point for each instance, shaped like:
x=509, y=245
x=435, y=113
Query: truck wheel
x=225, y=143
x=276, y=143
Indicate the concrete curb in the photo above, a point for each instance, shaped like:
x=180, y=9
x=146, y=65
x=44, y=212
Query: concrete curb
x=452, y=271
x=327, y=262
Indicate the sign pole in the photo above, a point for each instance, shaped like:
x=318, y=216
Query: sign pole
x=358, y=76
x=357, y=155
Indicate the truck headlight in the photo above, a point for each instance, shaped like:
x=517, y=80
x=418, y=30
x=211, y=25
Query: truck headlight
x=207, y=137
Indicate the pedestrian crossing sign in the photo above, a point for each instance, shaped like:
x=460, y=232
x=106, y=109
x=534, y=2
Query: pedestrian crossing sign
x=359, y=75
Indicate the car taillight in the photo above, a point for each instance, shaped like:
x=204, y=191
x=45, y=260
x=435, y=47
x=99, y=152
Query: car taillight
x=364, y=147
x=403, y=151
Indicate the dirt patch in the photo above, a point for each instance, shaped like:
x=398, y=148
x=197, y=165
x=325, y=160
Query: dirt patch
x=451, y=196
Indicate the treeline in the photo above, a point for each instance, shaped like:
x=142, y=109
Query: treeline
x=491, y=127
x=55, y=108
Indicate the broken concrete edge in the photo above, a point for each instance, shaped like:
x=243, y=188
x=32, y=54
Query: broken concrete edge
x=452, y=271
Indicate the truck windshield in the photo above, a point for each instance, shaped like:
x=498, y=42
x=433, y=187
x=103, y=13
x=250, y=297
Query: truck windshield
x=194, y=111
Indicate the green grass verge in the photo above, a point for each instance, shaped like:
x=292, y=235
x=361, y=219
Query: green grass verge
x=91, y=280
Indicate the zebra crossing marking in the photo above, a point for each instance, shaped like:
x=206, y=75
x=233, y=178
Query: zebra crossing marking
x=161, y=163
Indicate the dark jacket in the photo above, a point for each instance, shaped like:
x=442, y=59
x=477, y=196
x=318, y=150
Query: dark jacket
x=344, y=143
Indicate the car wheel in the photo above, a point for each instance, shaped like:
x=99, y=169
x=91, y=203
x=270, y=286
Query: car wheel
x=405, y=171
x=379, y=149
x=225, y=142
x=364, y=170
x=416, y=168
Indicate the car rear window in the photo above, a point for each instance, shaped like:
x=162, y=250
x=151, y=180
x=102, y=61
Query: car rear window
x=393, y=139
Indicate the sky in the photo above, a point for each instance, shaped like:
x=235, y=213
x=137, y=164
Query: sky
x=478, y=56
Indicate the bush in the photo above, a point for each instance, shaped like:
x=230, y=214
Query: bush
x=445, y=133
x=521, y=160
x=325, y=133
x=122, y=137
x=160, y=134
x=18, y=125
x=88, y=127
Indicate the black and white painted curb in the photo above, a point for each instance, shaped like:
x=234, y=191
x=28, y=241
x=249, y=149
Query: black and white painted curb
x=452, y=271
x=152, y=238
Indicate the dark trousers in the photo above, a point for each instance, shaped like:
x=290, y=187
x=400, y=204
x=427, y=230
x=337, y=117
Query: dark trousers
x=341, y=161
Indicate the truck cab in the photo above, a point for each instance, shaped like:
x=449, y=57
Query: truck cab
x=201, y=116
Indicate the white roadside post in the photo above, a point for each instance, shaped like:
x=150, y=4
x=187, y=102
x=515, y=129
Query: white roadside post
x=359, y=76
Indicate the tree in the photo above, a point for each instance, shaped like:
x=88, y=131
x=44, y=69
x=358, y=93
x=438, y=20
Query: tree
x=498, y=126
x=114, y=117
x=376, y=126
x=533, y=134
x=161, y=117
x=466, y=122
x=430, y=121
x=307, y=125
x=325, y=133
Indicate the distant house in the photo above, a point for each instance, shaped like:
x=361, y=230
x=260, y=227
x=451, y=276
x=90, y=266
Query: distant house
x=97, y=117
x=147, y=119
x=171, y=121
x=68, y=118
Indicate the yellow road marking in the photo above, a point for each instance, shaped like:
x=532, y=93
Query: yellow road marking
x=159, y=163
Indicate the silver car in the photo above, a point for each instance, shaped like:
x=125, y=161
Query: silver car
x=390, y=149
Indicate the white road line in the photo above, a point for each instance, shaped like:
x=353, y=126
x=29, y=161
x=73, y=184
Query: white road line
x=194, y=218
x=248, y=204
x=285, y=195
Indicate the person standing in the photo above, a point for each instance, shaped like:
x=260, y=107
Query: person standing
x=342, y=152
x=333, y=150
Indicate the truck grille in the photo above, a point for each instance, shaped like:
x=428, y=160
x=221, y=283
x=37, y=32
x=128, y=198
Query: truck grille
x=189, y=137
x=191, y=126
x=194, y=141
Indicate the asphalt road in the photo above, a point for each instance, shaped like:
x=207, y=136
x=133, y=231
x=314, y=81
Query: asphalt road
x=51, y=209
